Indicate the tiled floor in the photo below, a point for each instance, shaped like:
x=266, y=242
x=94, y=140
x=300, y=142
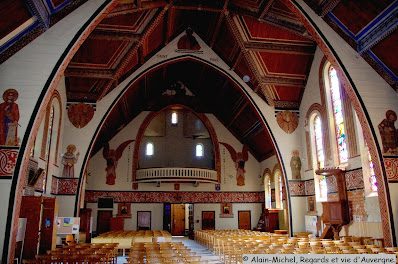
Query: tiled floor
x=195, y=247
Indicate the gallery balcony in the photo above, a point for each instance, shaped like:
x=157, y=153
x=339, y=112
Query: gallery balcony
x=176, y=175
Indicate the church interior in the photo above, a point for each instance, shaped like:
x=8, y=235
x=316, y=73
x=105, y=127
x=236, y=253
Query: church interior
x=131, y=124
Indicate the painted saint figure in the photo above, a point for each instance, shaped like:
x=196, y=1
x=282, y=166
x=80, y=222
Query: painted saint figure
x=188, y=41
x=239, y=159
x=69, y=160
x=389, y=134
x=295, y=165
x=9, y=117
x=112, y=156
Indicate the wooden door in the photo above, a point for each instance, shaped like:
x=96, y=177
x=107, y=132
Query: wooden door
x=244, y=220
x=178, y=219
x=144, y=220
x=208, y=220
x=103, y=221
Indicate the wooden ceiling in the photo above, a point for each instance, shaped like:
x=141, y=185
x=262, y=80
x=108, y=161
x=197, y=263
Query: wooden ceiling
x=258, y=38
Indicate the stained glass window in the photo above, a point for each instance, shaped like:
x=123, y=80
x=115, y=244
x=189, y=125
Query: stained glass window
x=199, y=150
x=174, y=118
x=48, y=146
x=280, y=191
x=372, y=178
x=267, y=183
x=338, y=115
x=149, y=149
x=323, y=189
x=319, y=142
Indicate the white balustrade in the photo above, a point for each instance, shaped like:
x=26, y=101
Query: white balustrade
x=180, y=173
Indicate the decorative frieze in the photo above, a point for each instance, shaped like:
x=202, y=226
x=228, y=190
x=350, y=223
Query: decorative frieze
x=177, y=197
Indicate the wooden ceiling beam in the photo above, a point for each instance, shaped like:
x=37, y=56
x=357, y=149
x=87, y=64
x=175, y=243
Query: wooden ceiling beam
x=219, y=22
x=327, y=6
x=266, y=9
x=116, y=36
x=256, y=128
x=133, y=8
x=89, y=73
x=276, y=47
x=169, y=22
x=282, y=81
x=199, y=8
x=238, y=109
x=286, y=25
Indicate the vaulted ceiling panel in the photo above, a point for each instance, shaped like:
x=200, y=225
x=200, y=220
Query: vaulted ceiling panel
x=355, y=15
x=154, y=40
x=254, y=31
x=282, y=65
x=286, y=93
x=386, y=51
x=200, y=3
x=258, y=142
x=245, y=121
x=134, y=23
x=13, y=13
x=110, y=50
x=228, y=50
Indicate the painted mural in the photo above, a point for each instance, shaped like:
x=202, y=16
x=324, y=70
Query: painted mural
x=9, y=117
x=112, y=156
x=389, y=134
x=239, y=158
x=69, y=160
x=287, y=121
x=80, y=114
x=295, y=165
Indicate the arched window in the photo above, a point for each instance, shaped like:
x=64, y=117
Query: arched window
x=372, y=174
x=174, y=118
x=320, y=156
x=267, y=189
x=48, y=145
x=337, y=107
x=199, y=150
x=278, y=189
x=149, y=149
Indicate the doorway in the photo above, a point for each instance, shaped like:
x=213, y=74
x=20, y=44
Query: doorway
x=208, y=220
x=103, y=221
x=144, y=220
x=244, y=219
x=178, y=219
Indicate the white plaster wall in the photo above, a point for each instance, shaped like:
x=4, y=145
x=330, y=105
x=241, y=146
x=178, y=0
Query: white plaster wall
x=97, y=165
x=66, y=205
x=227, y=223
x=299, y=210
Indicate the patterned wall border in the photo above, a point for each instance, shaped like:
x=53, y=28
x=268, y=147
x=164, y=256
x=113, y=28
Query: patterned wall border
x=303, y=188
x=8, y=159
x=64, y=186
x=176, y=197
x=391, y=169
x=357, y=103
x=354, y=179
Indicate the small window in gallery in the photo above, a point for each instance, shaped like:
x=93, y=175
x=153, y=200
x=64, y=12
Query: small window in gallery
x=149, y=149
x=199, y=150
x=174, y=118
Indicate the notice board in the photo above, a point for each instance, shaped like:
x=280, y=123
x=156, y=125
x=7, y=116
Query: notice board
x=68, y=225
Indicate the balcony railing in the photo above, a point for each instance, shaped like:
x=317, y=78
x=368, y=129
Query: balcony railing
x=176, y=174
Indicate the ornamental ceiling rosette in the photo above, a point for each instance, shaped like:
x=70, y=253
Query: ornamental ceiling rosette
x=80, y=114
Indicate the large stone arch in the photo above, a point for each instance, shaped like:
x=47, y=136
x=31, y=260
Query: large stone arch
x=53, y=77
